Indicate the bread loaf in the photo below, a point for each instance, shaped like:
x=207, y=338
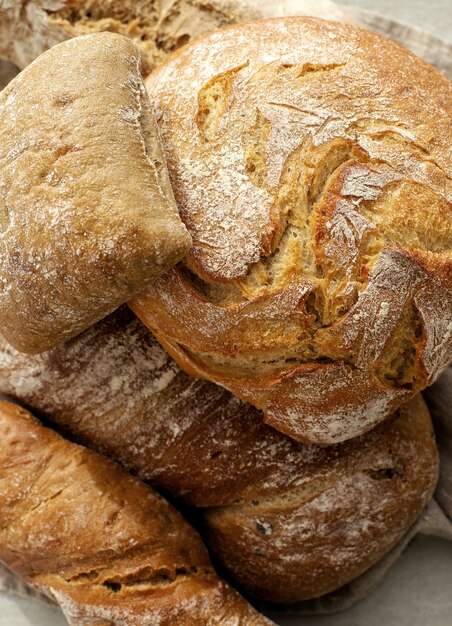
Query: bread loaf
x=157, y=27
x=311, y=164
x=7, y=72
x=290, y=521
x=101, y=544
x=342, y=517
x=87, y=214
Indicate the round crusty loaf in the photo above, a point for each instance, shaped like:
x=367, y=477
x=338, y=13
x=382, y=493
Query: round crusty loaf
x=157, y=27
x=311, y=164
x=87, y=213
x=289, y=520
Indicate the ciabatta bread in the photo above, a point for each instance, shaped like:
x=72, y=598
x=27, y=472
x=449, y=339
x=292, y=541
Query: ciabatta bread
x=87, y=214
x=100, y=543
x=289, y=520
x=311, y=163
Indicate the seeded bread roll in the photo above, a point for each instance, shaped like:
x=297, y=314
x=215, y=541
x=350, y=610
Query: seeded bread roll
x=290, y=521
x=157, y=27
x=87, y=214
x=101, y=544
x=310, y=161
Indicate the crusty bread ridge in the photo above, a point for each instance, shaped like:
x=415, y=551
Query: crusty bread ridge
x=87, y=214
x=311, y=164
x=265, y=497
x=104, y=546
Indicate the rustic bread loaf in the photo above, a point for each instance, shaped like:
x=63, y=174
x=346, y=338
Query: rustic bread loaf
x=289, y=520
x=87, y=214
x=334, y=522
x=157, y=27
x=311, y=164
x=101, y=544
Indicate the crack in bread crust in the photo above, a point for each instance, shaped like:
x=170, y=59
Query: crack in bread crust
x=320, y=211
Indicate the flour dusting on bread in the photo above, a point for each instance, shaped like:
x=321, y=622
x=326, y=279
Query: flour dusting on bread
x=322, y=152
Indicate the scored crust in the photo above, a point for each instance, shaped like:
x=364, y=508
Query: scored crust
x=311, y=164
x=87, y=213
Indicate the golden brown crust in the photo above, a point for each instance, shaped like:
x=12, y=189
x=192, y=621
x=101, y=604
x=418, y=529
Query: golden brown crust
x=310, y=162
x=100, y=543
x=115, y=389
x=86, y=220
x=311, y=540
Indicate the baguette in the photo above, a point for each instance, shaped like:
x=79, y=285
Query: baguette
x=100, y=543
x=289, y=521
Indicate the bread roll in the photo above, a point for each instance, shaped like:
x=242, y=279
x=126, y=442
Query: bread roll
x=87, y=214
x=343, y=517
x=311, y=164
x=157, y=27
x=290, y=521
x=101, y=544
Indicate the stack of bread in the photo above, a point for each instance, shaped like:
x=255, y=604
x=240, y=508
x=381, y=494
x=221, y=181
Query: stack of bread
x=271, y=209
